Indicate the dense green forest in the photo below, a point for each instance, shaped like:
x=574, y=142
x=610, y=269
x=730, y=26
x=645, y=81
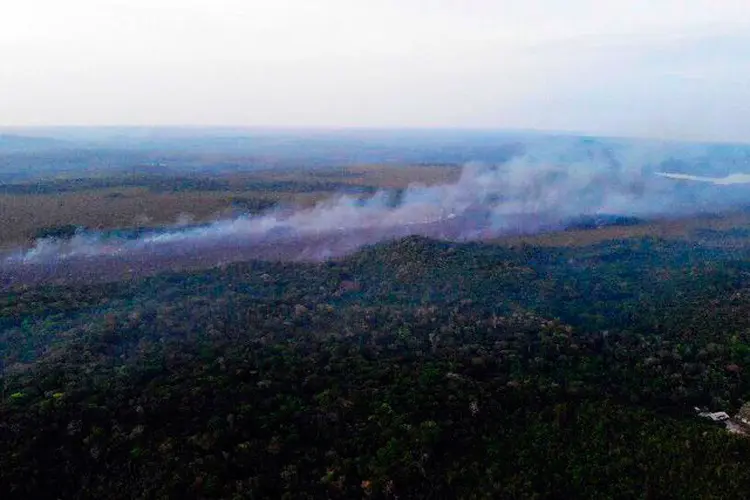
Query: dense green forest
x=414, y=368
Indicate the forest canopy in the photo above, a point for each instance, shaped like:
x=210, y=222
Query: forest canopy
x=415, y=368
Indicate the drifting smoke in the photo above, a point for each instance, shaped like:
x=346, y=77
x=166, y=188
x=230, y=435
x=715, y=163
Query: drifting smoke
x=523, y=195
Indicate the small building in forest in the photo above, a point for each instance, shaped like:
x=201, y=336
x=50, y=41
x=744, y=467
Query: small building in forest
x=718, y=416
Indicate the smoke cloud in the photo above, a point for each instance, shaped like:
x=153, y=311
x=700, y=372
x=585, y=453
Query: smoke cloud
x=525, y=195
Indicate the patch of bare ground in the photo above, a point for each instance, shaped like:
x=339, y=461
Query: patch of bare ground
x=383, y=176
x=22, y=215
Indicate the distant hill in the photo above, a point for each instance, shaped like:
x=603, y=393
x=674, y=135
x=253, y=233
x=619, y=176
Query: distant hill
x=10, y=143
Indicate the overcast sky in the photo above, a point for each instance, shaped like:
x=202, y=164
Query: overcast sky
x=658, y=68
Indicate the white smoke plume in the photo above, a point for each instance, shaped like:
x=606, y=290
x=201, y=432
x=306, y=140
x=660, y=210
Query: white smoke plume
x=524, y=195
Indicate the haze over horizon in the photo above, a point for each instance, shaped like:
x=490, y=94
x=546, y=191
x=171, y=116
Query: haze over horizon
x=658, y=69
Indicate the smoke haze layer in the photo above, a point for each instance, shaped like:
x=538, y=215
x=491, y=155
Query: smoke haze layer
x=524, y=195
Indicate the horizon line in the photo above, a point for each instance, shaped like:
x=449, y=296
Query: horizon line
x=362, y=128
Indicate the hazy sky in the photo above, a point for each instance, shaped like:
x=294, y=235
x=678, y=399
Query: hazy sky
x=665, y=68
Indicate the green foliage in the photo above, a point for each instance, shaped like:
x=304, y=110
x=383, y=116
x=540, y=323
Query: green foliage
x=414, y=369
